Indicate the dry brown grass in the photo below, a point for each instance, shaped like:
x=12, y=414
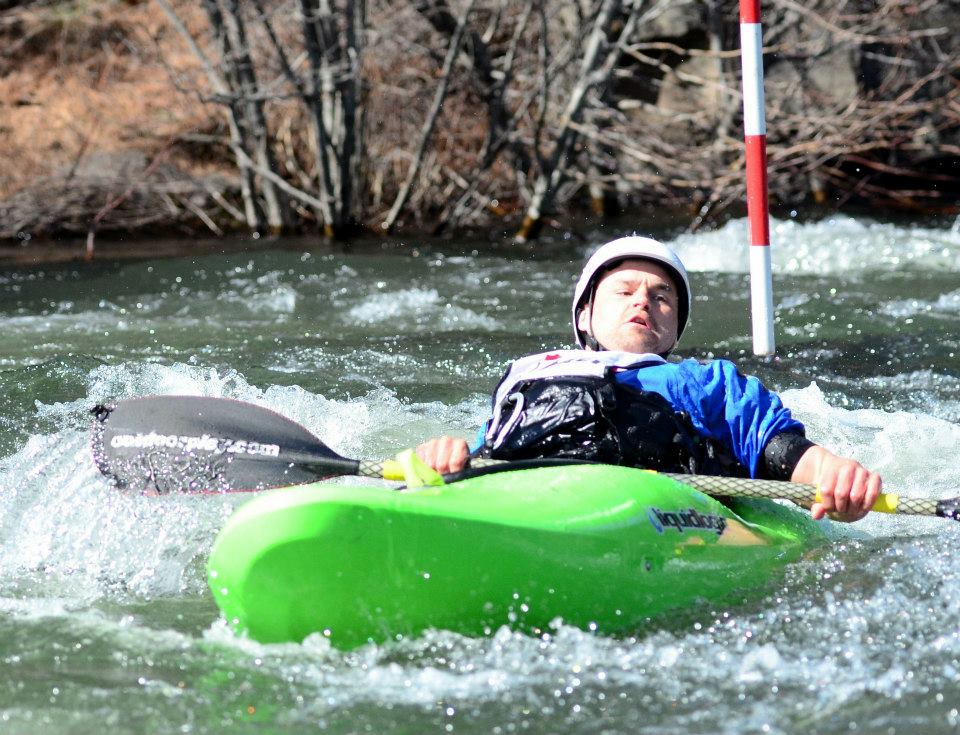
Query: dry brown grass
x=87, y=76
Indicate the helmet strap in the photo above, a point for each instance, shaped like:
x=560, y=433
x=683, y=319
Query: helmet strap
x=591, y=342
x=588, y=339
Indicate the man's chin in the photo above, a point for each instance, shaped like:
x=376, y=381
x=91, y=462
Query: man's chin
x=638, y=346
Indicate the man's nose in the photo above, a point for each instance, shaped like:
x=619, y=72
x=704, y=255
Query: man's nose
x=641, y=298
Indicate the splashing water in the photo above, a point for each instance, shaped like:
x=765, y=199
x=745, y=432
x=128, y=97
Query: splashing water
x=104, y=613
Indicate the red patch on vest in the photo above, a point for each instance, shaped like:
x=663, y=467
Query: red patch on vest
x=551, y=357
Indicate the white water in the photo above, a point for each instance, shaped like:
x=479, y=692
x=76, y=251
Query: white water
x=104, y=616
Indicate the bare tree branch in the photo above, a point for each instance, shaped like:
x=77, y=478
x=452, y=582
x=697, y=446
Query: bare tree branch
x=431, y=120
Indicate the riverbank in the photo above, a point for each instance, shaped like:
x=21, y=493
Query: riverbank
x=121, y=119
x=565, y=237
x=32, y=255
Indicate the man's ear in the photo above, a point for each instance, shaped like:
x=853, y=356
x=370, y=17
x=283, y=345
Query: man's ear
x=583, y=319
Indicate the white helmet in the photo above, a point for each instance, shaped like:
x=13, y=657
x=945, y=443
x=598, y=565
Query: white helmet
x=630, y=248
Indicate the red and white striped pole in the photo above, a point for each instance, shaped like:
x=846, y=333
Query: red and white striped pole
x=755, y=136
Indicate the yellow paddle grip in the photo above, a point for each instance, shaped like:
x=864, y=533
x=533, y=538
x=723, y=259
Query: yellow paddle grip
x=409, y=468
x=392, y=470
x=885, y=502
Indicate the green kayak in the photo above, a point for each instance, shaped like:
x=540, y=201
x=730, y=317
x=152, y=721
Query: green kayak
x=600, y=547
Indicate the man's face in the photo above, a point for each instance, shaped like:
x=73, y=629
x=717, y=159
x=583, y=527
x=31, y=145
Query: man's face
x=634, y=309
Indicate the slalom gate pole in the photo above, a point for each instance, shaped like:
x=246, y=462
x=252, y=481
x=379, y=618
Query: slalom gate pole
x=755, y=137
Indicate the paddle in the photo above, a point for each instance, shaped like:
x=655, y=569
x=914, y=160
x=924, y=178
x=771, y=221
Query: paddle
x=165, y=444
x=168, y=444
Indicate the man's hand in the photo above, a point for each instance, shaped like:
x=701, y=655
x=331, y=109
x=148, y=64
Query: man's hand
x=848, y=490
x=446, y=454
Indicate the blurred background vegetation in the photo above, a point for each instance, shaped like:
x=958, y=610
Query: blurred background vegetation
x=439, y=116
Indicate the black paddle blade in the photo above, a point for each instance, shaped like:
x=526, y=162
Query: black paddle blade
x=167, y=444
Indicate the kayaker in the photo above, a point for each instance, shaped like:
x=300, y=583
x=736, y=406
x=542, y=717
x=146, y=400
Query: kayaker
x=617, y=400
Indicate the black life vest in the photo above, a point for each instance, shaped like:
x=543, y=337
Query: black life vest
x=566, y=413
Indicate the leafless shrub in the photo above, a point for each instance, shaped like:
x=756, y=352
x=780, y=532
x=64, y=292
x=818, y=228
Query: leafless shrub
x=441, y=114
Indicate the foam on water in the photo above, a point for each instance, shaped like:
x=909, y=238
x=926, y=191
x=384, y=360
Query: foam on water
x=104, y=616
x=815, y=651
x=418, y=309
x=83, y=322
x=370, y=368
x=914, y=452
x=262, y=295
x=61, y=520
x=837, y=245
x=312, y=359
x=922, y=392
x=820, y=639
x=946, y=304
x=64, y=529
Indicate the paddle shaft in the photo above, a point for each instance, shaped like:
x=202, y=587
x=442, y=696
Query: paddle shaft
x=799, y=493
x=807, y=495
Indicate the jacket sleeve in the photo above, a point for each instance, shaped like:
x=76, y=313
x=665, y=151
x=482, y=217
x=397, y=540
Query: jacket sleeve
x=479, y=439
x=733, y=408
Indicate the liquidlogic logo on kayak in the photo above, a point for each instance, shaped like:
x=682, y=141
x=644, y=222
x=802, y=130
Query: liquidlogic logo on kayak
x=686, y=520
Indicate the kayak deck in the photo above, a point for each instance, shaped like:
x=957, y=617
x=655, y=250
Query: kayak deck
x=601, y=547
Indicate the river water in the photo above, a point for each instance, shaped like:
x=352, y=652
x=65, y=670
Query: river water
x=105, y=620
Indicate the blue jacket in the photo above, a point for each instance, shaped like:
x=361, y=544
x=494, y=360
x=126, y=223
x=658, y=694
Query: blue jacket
x=722, y=403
